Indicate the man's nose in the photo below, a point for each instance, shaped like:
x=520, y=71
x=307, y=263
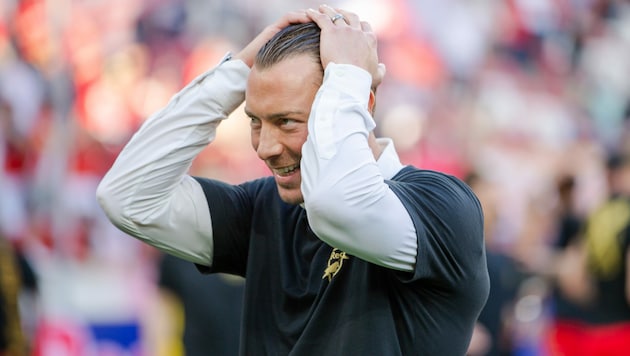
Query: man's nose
x=269, y=143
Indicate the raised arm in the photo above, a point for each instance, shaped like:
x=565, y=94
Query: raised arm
x=349, y=204
x=147, y=193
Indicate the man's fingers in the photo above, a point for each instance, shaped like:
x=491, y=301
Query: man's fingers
x=328, y=11
x=382, y=69
x=351, y=18
x=321, y=19
x=366, y=27
x=248, y=53
x=380, y=74
x=326, y=14
x=298, y=16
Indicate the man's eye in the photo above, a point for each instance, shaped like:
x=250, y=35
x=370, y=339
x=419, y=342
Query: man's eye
x=254, y=122
x=287, y=121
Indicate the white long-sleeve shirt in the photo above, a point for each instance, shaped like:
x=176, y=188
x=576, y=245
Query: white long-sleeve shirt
x=148, y=193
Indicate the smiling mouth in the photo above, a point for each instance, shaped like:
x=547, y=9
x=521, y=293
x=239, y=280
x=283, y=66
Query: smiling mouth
x=286, y=171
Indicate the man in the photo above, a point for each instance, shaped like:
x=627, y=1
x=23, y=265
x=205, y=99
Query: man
x=209, y=305
x=593, y=272
x=345, y=251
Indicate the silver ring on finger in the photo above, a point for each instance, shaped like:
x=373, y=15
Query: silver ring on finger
x=337, y=17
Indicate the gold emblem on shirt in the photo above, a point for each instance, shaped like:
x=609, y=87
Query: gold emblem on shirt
x=334, y=263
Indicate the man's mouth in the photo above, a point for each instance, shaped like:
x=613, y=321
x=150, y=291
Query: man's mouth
x=286, y=171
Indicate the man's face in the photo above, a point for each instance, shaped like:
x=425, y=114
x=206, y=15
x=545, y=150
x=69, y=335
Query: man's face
x=278, y=101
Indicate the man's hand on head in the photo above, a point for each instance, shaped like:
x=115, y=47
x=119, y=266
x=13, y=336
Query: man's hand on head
x=347, y=40
x=248, y=54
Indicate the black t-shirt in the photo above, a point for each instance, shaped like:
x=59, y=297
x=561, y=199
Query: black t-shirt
x=608, y=241
x=303, y=297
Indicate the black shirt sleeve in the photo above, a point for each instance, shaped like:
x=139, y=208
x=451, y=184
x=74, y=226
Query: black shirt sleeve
x=449, y=224
x=230, y=207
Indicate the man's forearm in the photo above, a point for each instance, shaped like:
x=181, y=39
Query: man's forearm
x=349, y=204
x=147, y=192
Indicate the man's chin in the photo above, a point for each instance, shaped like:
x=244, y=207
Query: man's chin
x=291, y=196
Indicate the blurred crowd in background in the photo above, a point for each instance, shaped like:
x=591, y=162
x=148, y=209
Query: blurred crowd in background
x=525, y=99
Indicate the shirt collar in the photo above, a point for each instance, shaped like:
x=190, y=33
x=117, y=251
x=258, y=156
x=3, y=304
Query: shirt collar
x=388, y=162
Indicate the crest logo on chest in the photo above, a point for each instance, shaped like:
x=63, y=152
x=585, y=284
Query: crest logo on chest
x=335, y=262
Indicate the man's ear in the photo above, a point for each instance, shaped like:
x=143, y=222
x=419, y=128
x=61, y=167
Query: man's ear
x=372, y=102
